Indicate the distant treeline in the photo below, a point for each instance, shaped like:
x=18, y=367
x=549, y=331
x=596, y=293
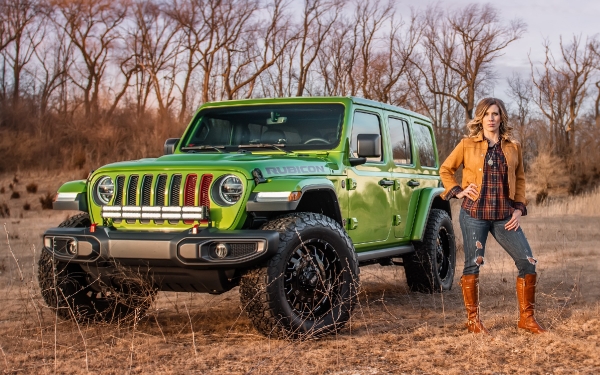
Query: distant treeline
x=84, y=82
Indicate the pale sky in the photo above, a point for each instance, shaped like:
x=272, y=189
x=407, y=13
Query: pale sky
x=544, y=18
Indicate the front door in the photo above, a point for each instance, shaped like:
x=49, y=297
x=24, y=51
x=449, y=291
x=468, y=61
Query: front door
x=370, y=188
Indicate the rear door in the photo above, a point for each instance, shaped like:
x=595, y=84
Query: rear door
x=406, y=178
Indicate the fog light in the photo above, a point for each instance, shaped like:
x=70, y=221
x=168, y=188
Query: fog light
x=72, y=247
x=221, y=250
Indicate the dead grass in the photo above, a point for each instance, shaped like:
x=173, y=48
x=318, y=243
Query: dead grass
x=581, y=205
x=392, y=330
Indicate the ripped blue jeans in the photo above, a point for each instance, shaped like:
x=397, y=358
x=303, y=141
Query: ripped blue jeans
x=475, y=233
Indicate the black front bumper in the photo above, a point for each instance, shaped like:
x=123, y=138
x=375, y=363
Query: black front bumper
x=174, y=261
x=162, y=249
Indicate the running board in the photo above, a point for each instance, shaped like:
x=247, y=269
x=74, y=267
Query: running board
x=384, y=253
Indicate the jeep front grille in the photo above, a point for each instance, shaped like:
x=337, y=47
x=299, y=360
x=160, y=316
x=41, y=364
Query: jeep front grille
x=145, y=199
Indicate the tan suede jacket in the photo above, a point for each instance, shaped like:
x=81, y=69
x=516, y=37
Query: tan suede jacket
x=471, y=152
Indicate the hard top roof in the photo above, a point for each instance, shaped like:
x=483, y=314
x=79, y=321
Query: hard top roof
x=319, y=99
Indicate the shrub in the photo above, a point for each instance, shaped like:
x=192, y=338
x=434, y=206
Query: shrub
x=2, y=190
x=15, y=179
x=26, y=206
x=46, y=201
x=15, y=195
x=32, y=188
x=4, y=211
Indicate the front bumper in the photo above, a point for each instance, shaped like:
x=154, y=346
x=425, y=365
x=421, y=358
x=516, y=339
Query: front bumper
x=104, y=246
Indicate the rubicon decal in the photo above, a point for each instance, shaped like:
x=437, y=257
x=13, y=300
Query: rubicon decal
x=295, y=169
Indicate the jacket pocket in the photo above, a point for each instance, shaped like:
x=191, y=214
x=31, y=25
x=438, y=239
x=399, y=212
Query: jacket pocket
x=468, y=177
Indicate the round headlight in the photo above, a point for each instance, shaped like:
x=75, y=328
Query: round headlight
x=105, y=189
x=229, y=190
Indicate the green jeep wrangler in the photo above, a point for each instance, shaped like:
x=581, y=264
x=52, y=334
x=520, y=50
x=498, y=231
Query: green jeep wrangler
x=284, y=198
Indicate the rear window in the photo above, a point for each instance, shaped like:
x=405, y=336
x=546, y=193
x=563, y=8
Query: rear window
x=400, y=140
x=424, y=143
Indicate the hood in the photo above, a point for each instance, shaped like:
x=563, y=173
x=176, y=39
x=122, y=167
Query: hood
x=270, y=165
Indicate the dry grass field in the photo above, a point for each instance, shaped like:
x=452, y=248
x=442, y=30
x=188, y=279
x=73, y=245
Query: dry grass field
x=392, y=331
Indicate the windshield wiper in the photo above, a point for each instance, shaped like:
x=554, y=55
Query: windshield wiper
x=220, y=149
x=267, y=145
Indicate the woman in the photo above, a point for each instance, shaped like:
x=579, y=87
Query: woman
x=493, y=188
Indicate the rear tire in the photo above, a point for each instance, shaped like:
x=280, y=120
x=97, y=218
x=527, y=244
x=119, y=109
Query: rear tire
x=308, y=289
x=430, y=269
x=66, y=288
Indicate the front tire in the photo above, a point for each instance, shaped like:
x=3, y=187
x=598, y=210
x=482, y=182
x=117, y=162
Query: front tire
x=309, y=287
x=431, y=267
x=66, y=288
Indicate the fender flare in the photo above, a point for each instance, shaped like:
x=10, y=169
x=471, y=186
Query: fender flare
x=72, y=195
x=428, y=198
x=307, y=187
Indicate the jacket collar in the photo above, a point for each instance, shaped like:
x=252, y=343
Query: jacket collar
x=479, y=137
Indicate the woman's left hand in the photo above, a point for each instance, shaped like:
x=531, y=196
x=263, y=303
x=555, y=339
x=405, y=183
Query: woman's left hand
x=513, y=223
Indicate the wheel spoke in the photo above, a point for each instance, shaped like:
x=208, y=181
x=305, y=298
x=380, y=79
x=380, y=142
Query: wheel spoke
x=309, y=280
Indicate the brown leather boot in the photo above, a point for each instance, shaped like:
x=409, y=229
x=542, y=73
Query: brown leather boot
x=526, y=297
x=470, y=289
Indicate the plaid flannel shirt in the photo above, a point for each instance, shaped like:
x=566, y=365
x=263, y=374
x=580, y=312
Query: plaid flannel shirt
x=493, y=202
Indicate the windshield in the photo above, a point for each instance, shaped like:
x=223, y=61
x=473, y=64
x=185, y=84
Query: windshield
x=287, y=127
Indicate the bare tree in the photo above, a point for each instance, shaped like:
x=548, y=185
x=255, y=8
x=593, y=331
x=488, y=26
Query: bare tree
x=22, y=20
x=560, y=88
x=369, y=18
x=467, y=41
x=337, y=59
x=7, y=33
x=198, y=29
x=157, y=38
x=54, y=61
x=597, y=105
x=249, y=53
x=318, y=19
x=595, y=47
x=390, y=68
x=520, y=93
x=93, y=27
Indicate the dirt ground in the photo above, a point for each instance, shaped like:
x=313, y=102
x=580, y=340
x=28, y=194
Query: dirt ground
x=392, y=330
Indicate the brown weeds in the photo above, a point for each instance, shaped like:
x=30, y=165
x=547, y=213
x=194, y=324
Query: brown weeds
x=391, y=331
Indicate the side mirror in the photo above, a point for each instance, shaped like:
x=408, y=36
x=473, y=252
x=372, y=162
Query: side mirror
x=170, y=145
x=368, y=145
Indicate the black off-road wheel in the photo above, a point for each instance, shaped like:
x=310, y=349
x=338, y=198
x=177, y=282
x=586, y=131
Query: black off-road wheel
x=430, y=268
x=308, y=289
x=68, y=290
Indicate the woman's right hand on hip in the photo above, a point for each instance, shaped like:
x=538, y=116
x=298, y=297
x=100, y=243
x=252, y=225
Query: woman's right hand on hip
x=470, y=192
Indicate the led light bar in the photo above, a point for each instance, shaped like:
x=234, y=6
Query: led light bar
x=151, y=215
x=192, y=216
x=155, y=212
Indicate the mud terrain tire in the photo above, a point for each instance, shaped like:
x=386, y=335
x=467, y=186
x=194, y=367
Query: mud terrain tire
x=431, y=267
x=66, y=289
x=308, y=289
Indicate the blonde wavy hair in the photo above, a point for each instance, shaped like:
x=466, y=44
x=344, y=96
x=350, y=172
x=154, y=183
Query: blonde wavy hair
x=475, y=126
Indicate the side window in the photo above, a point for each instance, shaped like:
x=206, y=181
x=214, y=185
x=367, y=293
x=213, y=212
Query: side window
x=400, y=140
x=364, y=123
x=424, y=144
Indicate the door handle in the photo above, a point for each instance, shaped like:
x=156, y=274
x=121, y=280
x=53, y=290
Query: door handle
x=386, y=183
x=413, y=183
